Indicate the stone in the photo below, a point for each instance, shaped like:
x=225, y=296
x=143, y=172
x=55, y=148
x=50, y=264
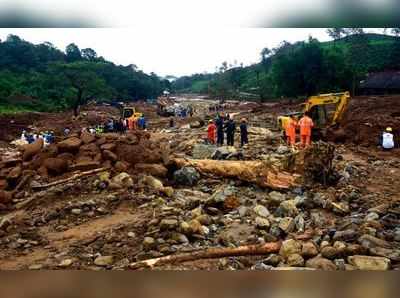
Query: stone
x=3, y=184
x=324, y=243
x=300, y=223
x=329, y=252
x=202, y=151
x=121, y=166
x=76, y=211
x=223, y=152
x=195, y=227
x=276, y=198
x=108, y=155
x=369, y=263
x=151, y=182
x=168, y=191
x=31, y=150
x=224, y=197
x=371, y=216
x=35, y=267
x=262, y=223
x=321, y=264
x=261, y=211
x=369, y=241
x=282, y=149
x=396, y=234
x=168, y=224
x=392, y=254
x=66, y=263
x=273, y=260
x=104, y=261
x=14, y=174
x=70, y=145
x=131, y=235
x=290, y=247
x=187, y=176
x=157, y=170
x=355, y=249
x=180, y=238
x=288, y=208
x=87, y=137
x=149, y=243
x=309, y=250
x=295, y=260
x=185, y=228
x=5, y=197
x=346, y=235
x=124, y=180
x=287, y=224
x=56, y=166
x=108, y=147
x=340, y=246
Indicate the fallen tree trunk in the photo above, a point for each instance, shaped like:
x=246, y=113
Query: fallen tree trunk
x=74, y=177
x=211, y=253
x=260, y=172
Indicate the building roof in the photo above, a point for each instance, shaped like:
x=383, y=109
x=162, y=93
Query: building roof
x=382, y=80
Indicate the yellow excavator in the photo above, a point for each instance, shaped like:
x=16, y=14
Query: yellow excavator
x=129, y=112
x=326, y=110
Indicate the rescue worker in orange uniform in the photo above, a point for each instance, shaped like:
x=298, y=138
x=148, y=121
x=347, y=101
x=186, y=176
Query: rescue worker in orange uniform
x=306, y=124
x=290, y=131
x=211, y=132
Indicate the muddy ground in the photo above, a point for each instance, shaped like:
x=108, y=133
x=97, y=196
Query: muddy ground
x=87, y=223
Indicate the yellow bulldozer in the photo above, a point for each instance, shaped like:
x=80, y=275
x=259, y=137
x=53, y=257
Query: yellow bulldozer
x=128, y=112
x=326, y=111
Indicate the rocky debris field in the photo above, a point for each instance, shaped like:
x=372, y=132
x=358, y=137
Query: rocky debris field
x=112, y=201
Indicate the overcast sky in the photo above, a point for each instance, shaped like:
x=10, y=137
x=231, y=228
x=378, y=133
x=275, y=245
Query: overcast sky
x=177, y=52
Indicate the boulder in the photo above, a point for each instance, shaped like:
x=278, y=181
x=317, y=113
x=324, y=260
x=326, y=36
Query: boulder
x=3, y=184
x=290, y=247
x=329, y=252
x=31, y=150
x=157, y=170
x=321, y=264
x=288, y=208
x=14, y=174
x=108, y=146
x=152, y=183
x=121, y=166
x=287, y=224
x=346, y=235
x=149, y=243
x=202, y=151
x=5, y=197
x=56, y=165
x=262, y=223
x=104, y=261
x=168, y=224
x=224, y=152
x=309, y=250
x=276, y=198
x=87, y=137
x=70, y=145
x=392, y=254
x=108, y=155
x=123, y=179
x=369, y=263
x=369, y=241
x=295, y=260
x=186, y=176
x=260, y=210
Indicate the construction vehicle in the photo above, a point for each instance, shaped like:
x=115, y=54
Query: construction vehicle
x=326, y=111
x=128, y=112
x=165, y=106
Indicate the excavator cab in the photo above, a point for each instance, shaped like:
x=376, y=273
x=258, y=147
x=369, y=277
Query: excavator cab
x=129, y=112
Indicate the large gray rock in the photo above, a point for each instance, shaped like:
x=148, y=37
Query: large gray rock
x=168, y=224
x=287, y=208
x=203, y=151
x=219, y=198
x=224, y=152
x=321, y=264
x=104, y=260
x=260, y=210
x=275, y=198
x=262, y=223
x=186, y=176
x=369, y=263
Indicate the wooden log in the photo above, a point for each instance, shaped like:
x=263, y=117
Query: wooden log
x=259, y=172
x=211, y=253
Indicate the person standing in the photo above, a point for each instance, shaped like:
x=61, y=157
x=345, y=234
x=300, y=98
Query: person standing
x=211, y=132
x=220, y=130
x=230, y=132
x=290, y=130
x=306, y=124
x=387, y=140
x=243, y=133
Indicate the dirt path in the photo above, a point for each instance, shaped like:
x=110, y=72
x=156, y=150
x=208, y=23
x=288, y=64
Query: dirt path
x=62, y=240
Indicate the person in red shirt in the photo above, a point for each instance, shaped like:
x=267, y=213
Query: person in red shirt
x=211, y=132
x=306, y=124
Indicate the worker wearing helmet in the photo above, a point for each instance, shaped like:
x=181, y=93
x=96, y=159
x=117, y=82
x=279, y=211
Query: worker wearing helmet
x=290, y=130
x=387, y=140
x=211, y=132
x=243, y=133
x=306, y=124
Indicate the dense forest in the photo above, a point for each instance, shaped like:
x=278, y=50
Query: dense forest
x=42, y=77
x=302, y=68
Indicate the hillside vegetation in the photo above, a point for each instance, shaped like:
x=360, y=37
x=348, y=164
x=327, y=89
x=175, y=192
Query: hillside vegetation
x=42, y=77
x=300, y=69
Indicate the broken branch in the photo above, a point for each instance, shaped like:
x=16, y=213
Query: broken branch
x=212, y=253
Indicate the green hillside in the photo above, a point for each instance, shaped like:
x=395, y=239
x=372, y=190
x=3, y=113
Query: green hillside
x=302, y=68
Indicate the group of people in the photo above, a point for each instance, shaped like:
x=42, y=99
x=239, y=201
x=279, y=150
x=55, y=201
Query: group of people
x=135, y=123
x=47, y=136
x=226, y=124
x=305, y=124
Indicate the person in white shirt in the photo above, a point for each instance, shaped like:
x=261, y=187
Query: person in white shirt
x=388, y=142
